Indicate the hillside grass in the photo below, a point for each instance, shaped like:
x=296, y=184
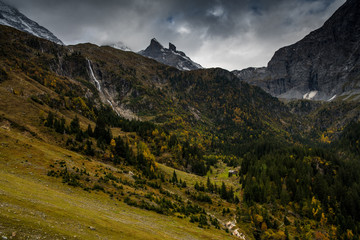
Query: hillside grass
x=37, y=206
x=34, y=205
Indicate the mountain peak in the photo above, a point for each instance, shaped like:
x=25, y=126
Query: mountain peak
x=6, y=8
x=155, y=44
x=154, y=40
x=169, y=56
x=10, y=16
x=172, y=47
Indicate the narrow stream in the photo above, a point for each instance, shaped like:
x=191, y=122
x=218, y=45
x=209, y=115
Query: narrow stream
x=113, y=107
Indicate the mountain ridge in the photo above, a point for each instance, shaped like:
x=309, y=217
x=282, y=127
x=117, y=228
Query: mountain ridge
x=12, y=17
x=324, y=65
x=120, y=46
x=169, y=56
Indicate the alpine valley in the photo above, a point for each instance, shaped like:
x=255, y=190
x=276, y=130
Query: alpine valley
x=101, y=143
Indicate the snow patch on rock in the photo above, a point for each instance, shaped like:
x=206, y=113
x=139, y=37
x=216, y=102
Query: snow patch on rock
x=310, y=95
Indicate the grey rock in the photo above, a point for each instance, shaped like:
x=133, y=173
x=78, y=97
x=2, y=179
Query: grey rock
x=172, y=47
x=10, y=16
x=169, y=56
x=321, y=66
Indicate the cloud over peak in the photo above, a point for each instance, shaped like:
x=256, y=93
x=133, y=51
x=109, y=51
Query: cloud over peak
x=216, y=33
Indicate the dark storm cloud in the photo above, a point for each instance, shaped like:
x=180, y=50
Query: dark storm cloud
x=229, y=33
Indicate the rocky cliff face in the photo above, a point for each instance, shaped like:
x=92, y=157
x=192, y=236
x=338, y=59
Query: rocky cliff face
x=169, y=56
x=322, y=66
x=10, y=16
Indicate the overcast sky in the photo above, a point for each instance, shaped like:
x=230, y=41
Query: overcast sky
x=232, y=34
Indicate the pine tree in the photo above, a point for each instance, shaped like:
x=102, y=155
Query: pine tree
x=230, y=195
x=89, y=150
x=173, y=141
x=196, y=186
x=79, y=136
x=286, y=221
x=287, y=234
x=89, y=131
x=223, y=192
x=75, y=125
x=209, y=185
x=174, y=177
x=102, y=132
x=50, y=120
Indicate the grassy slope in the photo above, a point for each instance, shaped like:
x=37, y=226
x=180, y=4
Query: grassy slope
x=34, y=205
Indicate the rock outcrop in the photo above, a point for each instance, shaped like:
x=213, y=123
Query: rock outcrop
x=322, y=66
x=169, y=56
x=10, y=16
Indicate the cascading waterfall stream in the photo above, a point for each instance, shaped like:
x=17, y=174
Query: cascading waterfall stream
x=105, y=95
x=113, y=107
x=93, y=76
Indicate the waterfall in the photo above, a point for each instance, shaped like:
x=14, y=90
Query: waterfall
x=104, y=95
x=113, y=107
x=93, y=76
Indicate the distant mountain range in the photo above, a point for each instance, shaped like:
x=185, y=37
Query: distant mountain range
x=10, y=16
x=323, y=66
x=169, y=56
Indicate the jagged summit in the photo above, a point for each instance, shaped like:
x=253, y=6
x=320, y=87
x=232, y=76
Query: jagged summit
x=10, y=16
x=169, y=56
x=155, y=41
x=322, y=66
x=172, y=47
x=154, y=46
